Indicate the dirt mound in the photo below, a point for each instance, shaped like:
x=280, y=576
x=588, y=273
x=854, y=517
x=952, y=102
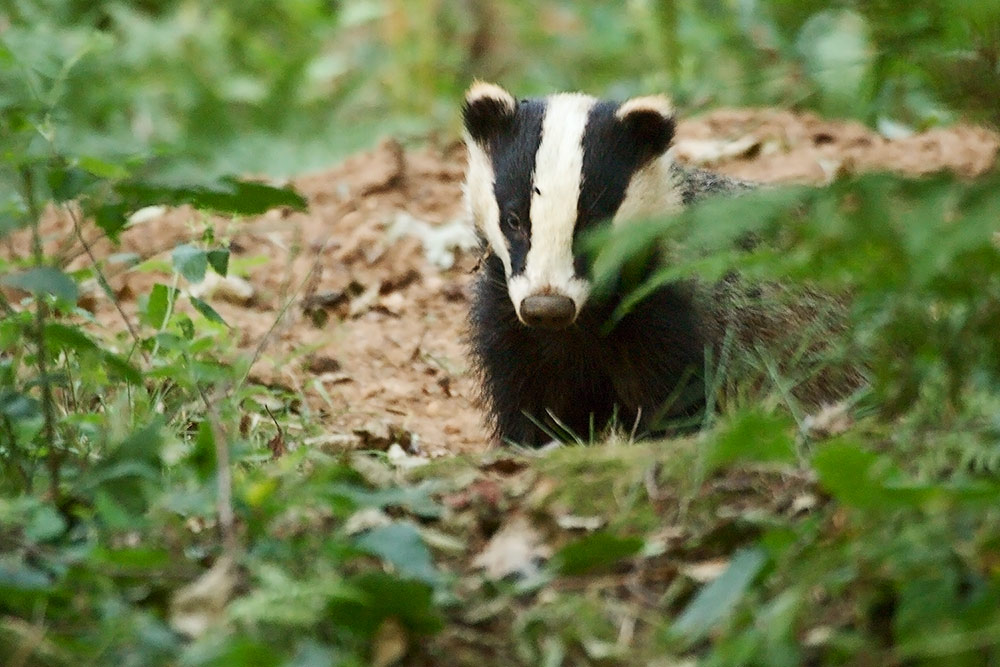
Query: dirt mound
x=373, y=337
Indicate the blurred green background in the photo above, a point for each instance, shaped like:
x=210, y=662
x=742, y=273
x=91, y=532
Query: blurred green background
x=283, y=87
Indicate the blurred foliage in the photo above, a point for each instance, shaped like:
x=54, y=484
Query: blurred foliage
x=920, y=259
x=133, y=499
x=285, y=86
x=146, y=516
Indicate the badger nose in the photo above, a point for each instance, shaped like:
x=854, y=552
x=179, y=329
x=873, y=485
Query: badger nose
x=548, y=311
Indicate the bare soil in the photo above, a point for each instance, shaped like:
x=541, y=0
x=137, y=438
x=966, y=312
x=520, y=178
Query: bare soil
x=389, y=361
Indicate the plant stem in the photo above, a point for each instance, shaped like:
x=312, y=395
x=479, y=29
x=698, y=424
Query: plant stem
x=103, y=281
x=55, y=452
x=666, y=14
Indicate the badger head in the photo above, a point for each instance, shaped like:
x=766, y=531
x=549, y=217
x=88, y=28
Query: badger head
x=543, y=170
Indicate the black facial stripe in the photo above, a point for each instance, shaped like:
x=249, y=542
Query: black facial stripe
x=513, y=154
x=610, y=156
x=613, y=150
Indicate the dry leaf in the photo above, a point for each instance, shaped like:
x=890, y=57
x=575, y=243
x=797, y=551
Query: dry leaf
x=706, y=571
x=225, y=288
x=505, y=465
x=277, y=446
x=830, y=421
x=400, y=459
x=818, y=636
x=393, y=303
x=319, y=363
x=389, y=643
x=574, y=522
x=486, y=491
x=381, y=434
x=711, y=151
x=516, y=549
x=200, y=605
x=804, y=503
x=384, y=172
x=366, y=519
x=146, y=214
x=440, y=242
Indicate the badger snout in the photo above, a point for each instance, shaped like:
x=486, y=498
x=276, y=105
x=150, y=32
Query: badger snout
x=548, y=311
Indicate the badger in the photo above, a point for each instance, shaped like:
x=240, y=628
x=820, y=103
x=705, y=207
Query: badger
x=540, y=173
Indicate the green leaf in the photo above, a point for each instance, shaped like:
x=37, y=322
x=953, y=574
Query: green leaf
x=852, y=475
x=132, y=558
x=717, y=600
x=219, y=260
x=67, y=183
x=44, y=280
x=69, y=338
x=388, y=596
x=596, y=551
x=838, y=53
x=416, y=499
x=45, y=524
x=110, y=512
x=280, y=598
x=210, y=314
x=186, y=326
x=400, y=544
x=253, y=198
x=126, y=473
x=241, y=650
x=311, y=653
x=72, y=338
x=202, y=455
x=190, y=262
x=19, y=576
x=119, y=366
x=143, y=444
x=860, y=478
x=159, y=304
x=102, y=168
x=18, y=406
x=229, y=195
x=111, y=218
x=10, y=222
x=753, y=436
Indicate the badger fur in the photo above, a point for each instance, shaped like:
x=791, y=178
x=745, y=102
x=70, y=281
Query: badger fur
x=541, y=172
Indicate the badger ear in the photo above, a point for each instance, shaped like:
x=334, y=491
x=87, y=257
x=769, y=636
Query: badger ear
x=651, y=121
x=488, y=109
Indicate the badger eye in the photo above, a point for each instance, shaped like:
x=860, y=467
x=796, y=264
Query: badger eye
x=512, y=221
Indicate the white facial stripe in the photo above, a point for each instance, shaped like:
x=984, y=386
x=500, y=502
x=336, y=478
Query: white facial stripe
x=648, y=194
x=558, y=177
x=482, y=201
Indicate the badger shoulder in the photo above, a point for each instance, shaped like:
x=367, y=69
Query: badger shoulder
x=792, y=326
x=697, y=184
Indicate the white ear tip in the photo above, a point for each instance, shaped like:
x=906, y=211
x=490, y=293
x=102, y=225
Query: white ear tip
x=659, y=104
x=481, y=90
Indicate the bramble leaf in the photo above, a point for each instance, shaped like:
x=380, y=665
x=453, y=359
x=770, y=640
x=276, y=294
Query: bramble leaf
x=44, y=280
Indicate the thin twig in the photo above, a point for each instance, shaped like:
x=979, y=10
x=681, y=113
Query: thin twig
x=223, y=473
x=55, y=452
x=223, y=477
x=77, y=228
x=265, y=339
x=224, y=486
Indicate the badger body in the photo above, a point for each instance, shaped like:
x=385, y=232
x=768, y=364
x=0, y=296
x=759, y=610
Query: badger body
x=541, y=172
